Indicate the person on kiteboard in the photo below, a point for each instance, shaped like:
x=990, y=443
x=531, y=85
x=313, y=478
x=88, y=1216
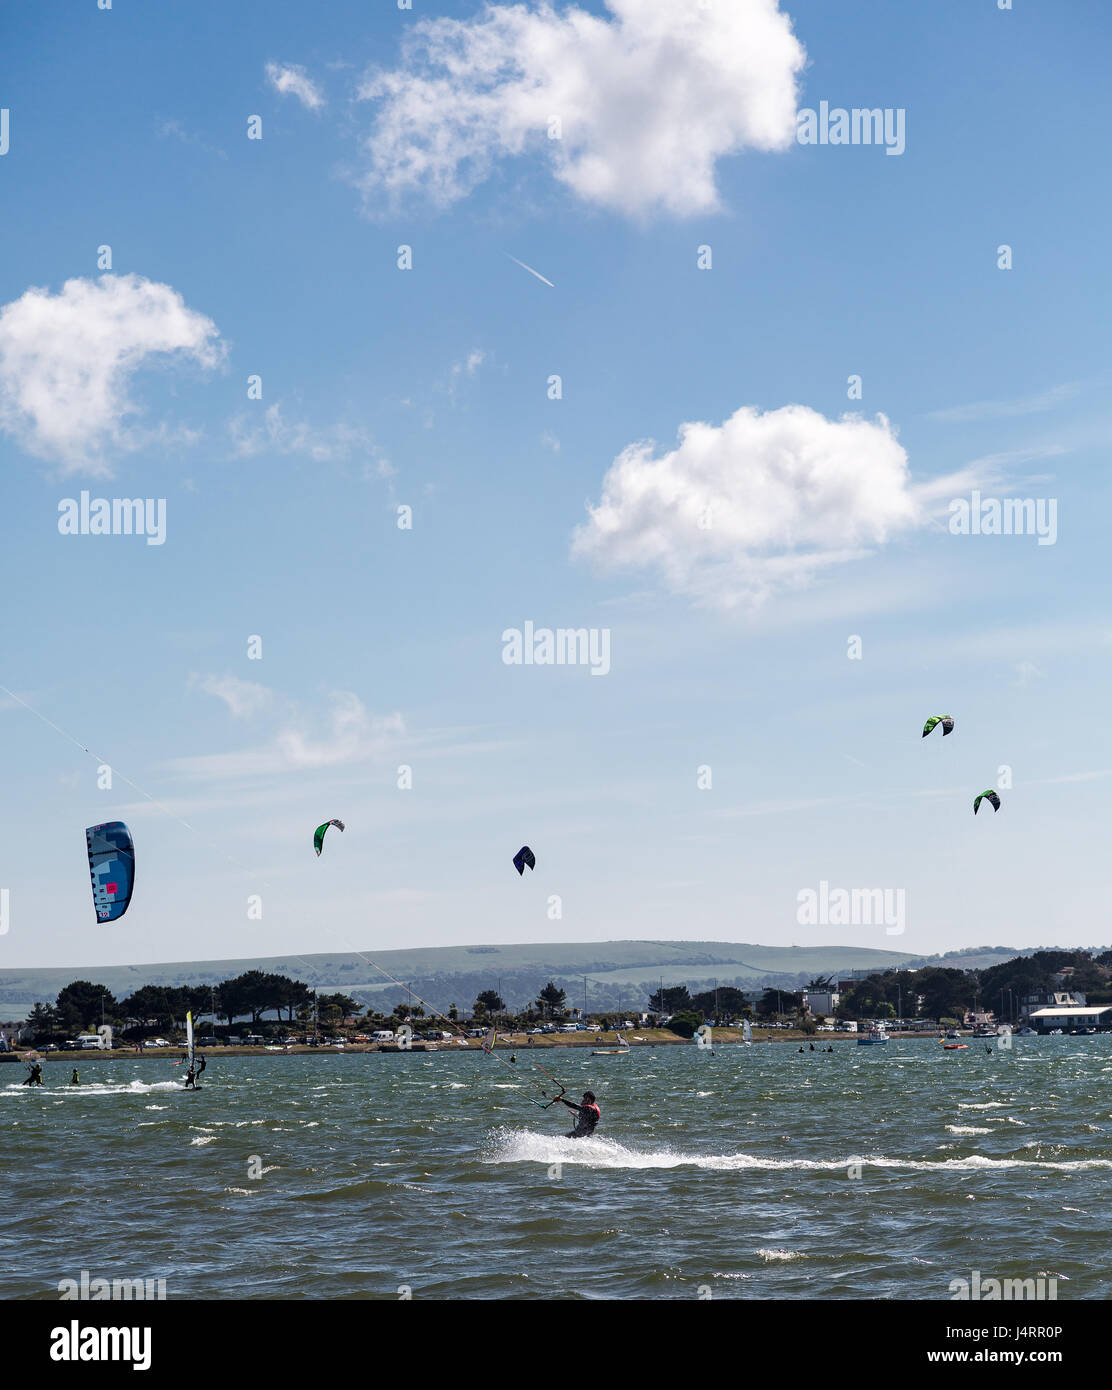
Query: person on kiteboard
x=588, y=1116
x=35, y=1076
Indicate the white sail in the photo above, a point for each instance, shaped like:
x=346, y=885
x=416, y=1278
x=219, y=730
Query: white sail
x=746, y=1031
x=189, y=1037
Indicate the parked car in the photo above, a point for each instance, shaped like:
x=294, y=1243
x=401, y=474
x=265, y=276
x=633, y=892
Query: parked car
x=208, y=1042
x=382, y=1036
x=156, y=1042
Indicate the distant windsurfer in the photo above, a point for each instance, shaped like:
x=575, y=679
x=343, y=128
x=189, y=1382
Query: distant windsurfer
x=587, y=1118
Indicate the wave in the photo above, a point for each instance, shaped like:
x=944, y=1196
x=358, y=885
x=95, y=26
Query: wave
x=526, y=1146
x=97, y=1088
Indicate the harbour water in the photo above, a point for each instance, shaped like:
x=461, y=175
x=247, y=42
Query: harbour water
x=752, y=1173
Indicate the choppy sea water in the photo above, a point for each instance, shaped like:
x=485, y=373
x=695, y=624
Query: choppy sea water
x=875, y=1172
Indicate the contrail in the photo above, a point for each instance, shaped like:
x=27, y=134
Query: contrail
x=529, y=268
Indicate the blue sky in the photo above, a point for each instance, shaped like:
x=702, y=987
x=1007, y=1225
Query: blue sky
x=428, y=388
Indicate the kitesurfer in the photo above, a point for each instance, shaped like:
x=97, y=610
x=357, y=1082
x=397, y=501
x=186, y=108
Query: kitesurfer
x=588, y=1115
x=75, y=1080
x=34, y=1077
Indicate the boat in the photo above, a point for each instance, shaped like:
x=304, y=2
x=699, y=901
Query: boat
x=874, y=1034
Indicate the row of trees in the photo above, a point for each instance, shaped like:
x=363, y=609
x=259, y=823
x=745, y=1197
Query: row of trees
x=83, y=1005
x=930, y=992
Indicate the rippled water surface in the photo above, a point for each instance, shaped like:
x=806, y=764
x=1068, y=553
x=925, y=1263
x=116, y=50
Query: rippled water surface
x=756, y=1172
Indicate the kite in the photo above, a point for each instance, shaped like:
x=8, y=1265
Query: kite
x=111, y=868
x=990, y=795
x=946, y=720
x=318, y=834
x=523, y=857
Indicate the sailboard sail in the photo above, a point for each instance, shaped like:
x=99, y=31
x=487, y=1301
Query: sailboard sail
x=746, y=1031
x=189, y=1037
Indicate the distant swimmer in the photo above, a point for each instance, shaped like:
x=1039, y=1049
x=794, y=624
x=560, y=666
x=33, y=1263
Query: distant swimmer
x=801, y=1049
x=812, y=1047
x=75, y=1080
x=34, y=1077
x=513, y=1056
x=588, y=1118
x=190, y=1080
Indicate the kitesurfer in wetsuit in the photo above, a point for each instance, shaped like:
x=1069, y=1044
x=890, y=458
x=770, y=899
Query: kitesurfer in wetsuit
x=588, y=1116
x=75, y=1080
x=35, y=1076
x=190, y=1080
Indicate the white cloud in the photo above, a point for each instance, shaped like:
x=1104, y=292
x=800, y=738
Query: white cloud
x=66, y=362
x=242, y=697
x=467, y=368
x=648, y=100
x=351, y=735
x=757, y=505
x=291, y=80
x=1026, y=672
x=1023, y=405
x=279, y=435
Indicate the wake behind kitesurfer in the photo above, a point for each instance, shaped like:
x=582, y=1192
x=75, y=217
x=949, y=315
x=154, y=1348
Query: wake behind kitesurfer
x=587, y=1117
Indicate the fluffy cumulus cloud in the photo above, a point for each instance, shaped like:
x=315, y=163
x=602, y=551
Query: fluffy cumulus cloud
x=647, y=99
x=291, y=80
x=67, y=360
x=759, y=504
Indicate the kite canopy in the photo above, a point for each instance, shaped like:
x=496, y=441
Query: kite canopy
x=991, y=796
x=318, y=834
x=523, y=857
x=111, y=868
x=946, y=720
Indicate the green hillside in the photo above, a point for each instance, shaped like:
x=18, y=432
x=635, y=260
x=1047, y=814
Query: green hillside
x=454, y=974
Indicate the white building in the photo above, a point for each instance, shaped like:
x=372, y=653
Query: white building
x=1073, y=1016
x=820, y=1001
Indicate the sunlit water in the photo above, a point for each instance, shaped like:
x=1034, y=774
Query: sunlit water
x=755, y=1173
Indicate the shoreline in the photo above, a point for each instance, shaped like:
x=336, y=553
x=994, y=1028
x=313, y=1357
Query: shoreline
x=510, y=1042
